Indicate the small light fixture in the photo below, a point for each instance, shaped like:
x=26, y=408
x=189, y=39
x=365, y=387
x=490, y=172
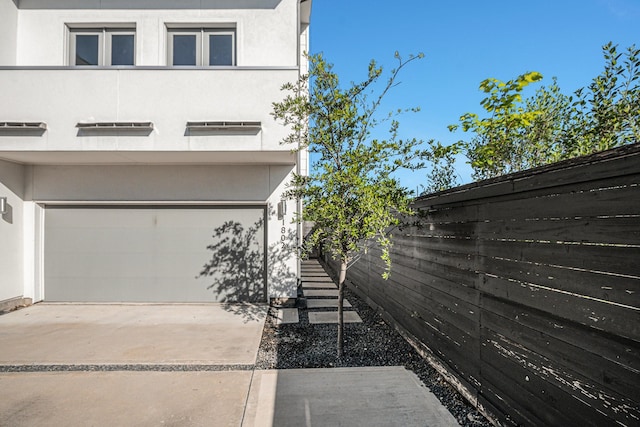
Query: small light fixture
x=3, y=205
x=282, y=209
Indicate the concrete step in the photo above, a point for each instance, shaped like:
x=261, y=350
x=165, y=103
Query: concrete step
x=321, y=293
x=286, y=316
x=325, y=279
x=325, y=303
x=318, y=285
x=332, y=317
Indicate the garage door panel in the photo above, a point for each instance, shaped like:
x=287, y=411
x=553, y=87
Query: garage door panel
x=89, y=265
x=154, y=255
x=95, y=218
x=87, y=240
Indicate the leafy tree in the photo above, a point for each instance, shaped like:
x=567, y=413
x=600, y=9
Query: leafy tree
x=610, y=104
x=496, y=148
x=522, y=133
x=350, y=194
x=443, y=172
x=544, y=140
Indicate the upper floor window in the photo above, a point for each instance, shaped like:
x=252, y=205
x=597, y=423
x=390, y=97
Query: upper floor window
x=102, y=46
x=202, y=46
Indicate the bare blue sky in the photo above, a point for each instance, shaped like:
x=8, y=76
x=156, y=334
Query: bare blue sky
x=466, y=41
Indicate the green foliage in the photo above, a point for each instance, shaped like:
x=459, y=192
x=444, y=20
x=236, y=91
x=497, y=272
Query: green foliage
x=350, y=194
x=443, y=173
x=610, y=104
x=519, y=133
x=495, y=149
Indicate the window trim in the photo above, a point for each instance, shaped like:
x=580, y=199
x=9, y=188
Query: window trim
x=104, y=34
x=202, y=33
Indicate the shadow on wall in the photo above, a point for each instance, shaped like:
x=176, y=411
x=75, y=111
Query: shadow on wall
x=237, y=264
x=236, y=270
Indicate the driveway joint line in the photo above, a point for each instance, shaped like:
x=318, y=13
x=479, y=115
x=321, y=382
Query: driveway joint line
x=123, y=367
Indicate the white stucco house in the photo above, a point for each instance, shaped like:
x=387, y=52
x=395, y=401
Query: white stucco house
x=139, y=161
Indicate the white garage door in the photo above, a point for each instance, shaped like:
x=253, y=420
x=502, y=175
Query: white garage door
x=154, y=254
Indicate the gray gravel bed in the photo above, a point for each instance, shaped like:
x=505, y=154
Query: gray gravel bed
x=370, y=343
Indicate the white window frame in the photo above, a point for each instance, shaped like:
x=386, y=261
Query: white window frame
x=105, y=35
x=202, y=43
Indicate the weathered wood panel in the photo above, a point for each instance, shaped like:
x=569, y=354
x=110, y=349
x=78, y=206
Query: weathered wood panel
x=527, y=287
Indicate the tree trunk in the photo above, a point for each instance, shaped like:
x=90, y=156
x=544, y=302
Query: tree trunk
x=341, y=279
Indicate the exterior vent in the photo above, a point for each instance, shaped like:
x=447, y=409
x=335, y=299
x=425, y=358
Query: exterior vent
x=23, y=128
x=115, y=129
x=224, y=126
x=23, y=125
x=116, y=125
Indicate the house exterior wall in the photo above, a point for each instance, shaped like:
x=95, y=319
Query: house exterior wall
x=12, y=231
x=9, y=23
x=168, y=164
x=265, y=36
x=61, y=98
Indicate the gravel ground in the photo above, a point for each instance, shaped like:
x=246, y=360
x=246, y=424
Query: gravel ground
x=371, y=343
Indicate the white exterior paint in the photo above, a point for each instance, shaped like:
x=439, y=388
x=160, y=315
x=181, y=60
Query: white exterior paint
x=267, y=36
x=168, y=98
x=8, y=41
x=11, y=231
x=167, y=165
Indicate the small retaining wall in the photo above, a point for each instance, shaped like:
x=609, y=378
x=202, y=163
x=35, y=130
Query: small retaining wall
x=526, y=288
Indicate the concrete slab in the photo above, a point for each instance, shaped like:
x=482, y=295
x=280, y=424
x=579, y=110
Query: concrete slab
x=319, y=279
x=318, y=285
x=321, y=292
x=132, y=334
x=326, y=303
x=287, y=315
x=332, y=317
x=123, y=398
x=377, y=396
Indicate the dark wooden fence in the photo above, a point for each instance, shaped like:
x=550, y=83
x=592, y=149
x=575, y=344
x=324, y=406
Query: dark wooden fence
x=525, y=289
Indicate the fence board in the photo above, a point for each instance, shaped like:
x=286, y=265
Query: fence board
x=536, y=373
x=615, y=289
x=606, y=231
x=623, y=352
x=514, y=376
x=608, y=317
x=596, y=199
x=617, y=260
x=570, y=357
x=601, y=166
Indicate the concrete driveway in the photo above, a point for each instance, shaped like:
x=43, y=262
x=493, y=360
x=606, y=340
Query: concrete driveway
x=85, y=334
x=82, y=364
x=183, y=365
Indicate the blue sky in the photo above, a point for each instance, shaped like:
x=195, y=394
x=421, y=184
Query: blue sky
x=464, y=42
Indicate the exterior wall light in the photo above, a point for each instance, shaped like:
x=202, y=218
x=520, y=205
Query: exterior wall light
x=3, y=205
x=282, y=209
